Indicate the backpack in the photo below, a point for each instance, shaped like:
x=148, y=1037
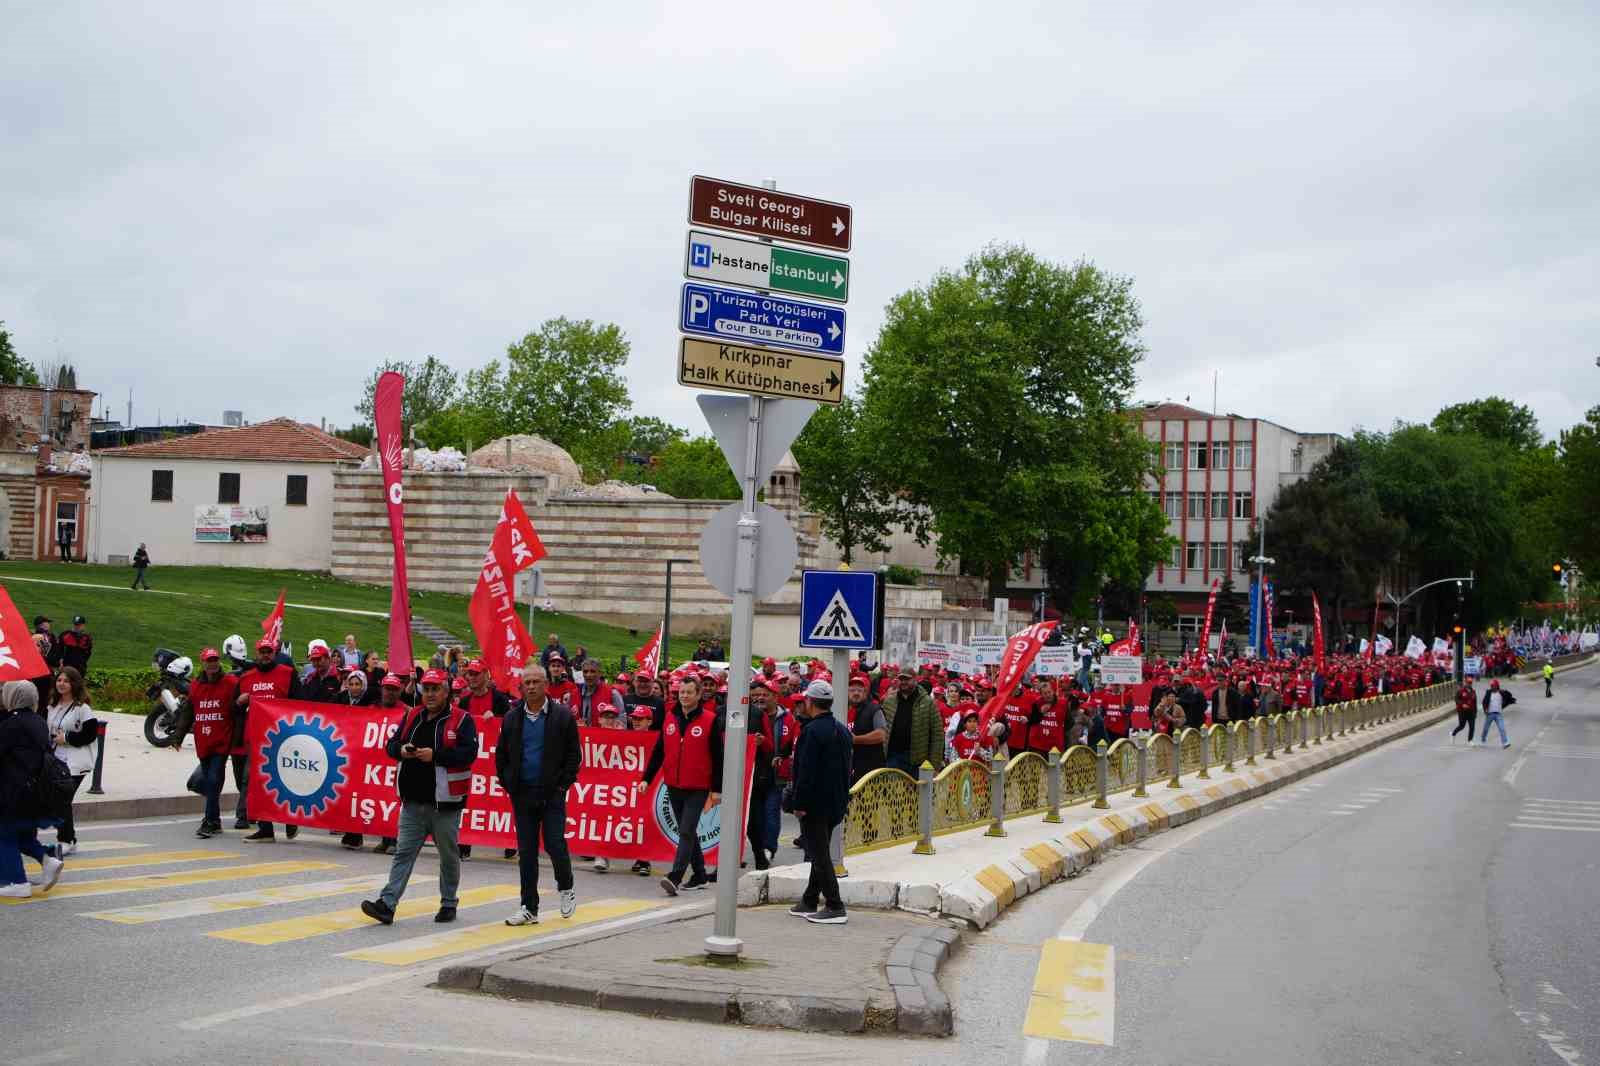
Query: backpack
x=51, y=790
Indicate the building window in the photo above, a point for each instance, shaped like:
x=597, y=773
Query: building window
x=1189, y=625
x=1173, y=505
x=1297, y=460
x=1174, y=456
x=1219, y=505
x=1175, y=560
x=160, y=486
x=1197, y=456
x=1194, y=554
x=1219, y=557
x=1244, y=505
x=1242, y=454
x=1219, y=455
x=295, y=494
x=1197, y=505
x=227, y=488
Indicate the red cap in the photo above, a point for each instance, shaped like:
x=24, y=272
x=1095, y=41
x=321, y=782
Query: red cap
x=459, y=685
x=769, y=661
x=392, y=681
x=435, y=677
x=209, y=653
x=476, y=667
x=266, y=642
x=318, y=651
x=641, y=710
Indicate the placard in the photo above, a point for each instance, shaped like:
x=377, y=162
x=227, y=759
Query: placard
x=1121, y=670
x=1055, y=662
x=986, y=651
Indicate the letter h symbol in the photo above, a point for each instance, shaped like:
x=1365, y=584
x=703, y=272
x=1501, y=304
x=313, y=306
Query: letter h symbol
x=700, y=254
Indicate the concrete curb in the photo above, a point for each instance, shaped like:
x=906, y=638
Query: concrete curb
x=921, y=1007
x=147, y=806
x=980, y=897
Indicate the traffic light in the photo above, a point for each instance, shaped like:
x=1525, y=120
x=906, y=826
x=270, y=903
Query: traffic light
x=1555, y=568
x=1456, y=629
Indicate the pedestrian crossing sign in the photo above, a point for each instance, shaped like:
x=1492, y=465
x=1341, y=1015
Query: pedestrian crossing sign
x=841, y=609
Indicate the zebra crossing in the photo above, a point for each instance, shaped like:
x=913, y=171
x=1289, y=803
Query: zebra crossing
x=111, y=867
x=1309, y=795
x=1559, y=815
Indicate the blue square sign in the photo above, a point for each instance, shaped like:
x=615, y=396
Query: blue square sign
x=700, y=254
x=841, y=609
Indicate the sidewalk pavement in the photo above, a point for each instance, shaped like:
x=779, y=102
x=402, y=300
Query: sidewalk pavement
x=141, y=780
x=876, y=973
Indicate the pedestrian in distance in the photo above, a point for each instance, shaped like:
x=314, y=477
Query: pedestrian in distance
x=1549, y=672
x=536, y=760
x=76, y=645
x=821, y=793
x=74, y=739
x=24, y=747
x=688, y=754
x=141, y=563
x=1495, y=702
x=435, y=747
x=1466, y=710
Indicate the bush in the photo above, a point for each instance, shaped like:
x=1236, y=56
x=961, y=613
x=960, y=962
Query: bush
x=124, y=687
x=904, y=575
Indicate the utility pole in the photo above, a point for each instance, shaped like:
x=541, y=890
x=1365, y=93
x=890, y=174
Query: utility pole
x=1262, y=562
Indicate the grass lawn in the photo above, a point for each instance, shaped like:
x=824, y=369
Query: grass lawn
x=128, y=626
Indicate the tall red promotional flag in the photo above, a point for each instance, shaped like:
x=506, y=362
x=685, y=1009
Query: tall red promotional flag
x=1272, y=650
x=1317, y=647
x=19, y=656
x=272, y=624
x=493, y=610
x=386, y=408
x=1205, y=626
x=1020, y=652
x=1128, y=645
x=649, y=656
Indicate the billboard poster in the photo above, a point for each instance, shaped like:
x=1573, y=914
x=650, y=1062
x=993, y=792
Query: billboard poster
x=229, y=523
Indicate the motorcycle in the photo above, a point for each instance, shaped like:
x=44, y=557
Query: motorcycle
x=167, y=696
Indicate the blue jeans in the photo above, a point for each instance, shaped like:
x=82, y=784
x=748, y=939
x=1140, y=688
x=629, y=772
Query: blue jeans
x=900, y=761
x=772, y=821
x=213, y=769
x=18, y=837
x=1499, y=723
x=418, y=821
x=534, y=822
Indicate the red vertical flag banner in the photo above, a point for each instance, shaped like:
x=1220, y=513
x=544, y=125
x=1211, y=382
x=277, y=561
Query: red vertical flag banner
x=19, y=656
x=272, y=624
x=1205, y=626
x=386, y=408
x=1317, y=647
x=493, y=609
x=649, y=656
x=1272, y=650
x=1128, y=645
x=1020, y=652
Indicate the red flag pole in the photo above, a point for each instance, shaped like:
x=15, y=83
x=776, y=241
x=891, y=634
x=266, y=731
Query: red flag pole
x=386, y=409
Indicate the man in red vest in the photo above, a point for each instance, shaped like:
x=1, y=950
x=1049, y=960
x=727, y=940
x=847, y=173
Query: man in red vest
x=688, y=754
x=211, y=703
x=268, y=679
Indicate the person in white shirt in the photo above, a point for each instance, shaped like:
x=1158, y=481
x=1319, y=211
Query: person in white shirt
x=1495, y=701
x=349, y=655
x=74, y=739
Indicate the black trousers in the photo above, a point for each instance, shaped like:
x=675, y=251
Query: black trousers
x=816, y=832
x=68, y=833
x=755, y=822
x=687, y=806
x=1465, y=720
x=540, y=823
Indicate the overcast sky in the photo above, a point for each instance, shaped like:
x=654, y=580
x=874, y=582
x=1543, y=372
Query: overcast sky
x=1354, y=216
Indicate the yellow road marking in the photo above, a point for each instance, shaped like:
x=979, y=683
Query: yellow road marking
x=192, y=908
x=1074, y=993
x=85, y=846
x=1188, y=803
x=310, y=925
x=141, y=883
x=1214, y=792
x=474, y=937
x=155, y=858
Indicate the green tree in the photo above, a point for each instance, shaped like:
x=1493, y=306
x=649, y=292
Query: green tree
x=430, y=387
x=565, y=382
x=993, y=405
x=14, y=370
x=692, y=469
x=361, y=435
x=838, y=481
x=1576, y=503
x=648, y=435
x=1492, y=418
x=1235, y=607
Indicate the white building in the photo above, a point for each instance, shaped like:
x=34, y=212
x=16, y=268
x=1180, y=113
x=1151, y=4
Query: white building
x=1218, y=472
x=259, y=495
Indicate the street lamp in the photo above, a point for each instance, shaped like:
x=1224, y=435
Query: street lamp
x=1262, y=561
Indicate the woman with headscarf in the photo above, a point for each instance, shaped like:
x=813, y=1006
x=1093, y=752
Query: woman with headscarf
x=24, y=747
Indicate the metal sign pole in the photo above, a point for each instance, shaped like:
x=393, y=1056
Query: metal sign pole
x=724, y=942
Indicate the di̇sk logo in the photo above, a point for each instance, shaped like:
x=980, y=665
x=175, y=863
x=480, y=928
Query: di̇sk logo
x=305, y=763
x=709, y=828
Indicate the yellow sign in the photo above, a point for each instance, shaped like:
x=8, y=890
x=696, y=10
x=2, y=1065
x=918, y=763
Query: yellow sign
x=760, y=371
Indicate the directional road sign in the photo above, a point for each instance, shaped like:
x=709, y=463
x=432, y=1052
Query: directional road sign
x=760, y=371
x=713, y=257
x=760, y=212
x=733, y=314
x=841, y=609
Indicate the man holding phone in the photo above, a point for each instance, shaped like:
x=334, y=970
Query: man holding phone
x=435, y=746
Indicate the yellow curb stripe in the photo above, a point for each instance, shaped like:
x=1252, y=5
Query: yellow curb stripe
x=1214, y=792
x=1157, y=816
x=999, y=884
x=1188, y=803
x=1074, y=993
x=1044, y=857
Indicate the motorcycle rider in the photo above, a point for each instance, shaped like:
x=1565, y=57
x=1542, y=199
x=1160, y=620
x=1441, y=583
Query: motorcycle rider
x=267, y=679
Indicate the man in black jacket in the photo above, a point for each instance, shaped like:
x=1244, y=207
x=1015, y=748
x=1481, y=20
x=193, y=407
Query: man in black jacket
x=1193, y=702
x=537, y=760
x=822, y=758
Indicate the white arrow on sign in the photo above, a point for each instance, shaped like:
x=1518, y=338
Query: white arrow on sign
x=838, y=279
x=833, y=331
x=838, y=225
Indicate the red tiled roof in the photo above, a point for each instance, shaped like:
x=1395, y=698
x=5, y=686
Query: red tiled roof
x=1160, y=411
x=281, y=439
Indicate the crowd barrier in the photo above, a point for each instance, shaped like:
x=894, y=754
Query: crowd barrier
x=889, y=807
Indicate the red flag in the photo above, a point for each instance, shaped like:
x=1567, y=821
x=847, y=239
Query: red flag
x=493, y=610
x=649, y=656
x=1020, y=652
x=386, y=408
x=1205, y=626
x=272, y=624
x=1128, y=645
x=1272, y=651
x=1317, y=646
x=19, y=656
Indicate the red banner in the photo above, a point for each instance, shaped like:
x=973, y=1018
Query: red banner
x=323, y=765
x=386, y=408
x=1129, y=645
x=649, y=656
x=272, y=624
x=19, y=656
x=1317, y=647
x=1020, y=652
x=1205, y=626
x=493, y=609
x=1271, y=645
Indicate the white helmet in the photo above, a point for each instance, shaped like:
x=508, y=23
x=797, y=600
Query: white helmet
x=234, y=648
x=317, y=645
x=181, y=667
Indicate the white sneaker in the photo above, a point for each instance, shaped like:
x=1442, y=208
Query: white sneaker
x=64, y=850
x=569, y=903
x=50, y=873
x=523, y=917
x=602, y=865
x=22, y=891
